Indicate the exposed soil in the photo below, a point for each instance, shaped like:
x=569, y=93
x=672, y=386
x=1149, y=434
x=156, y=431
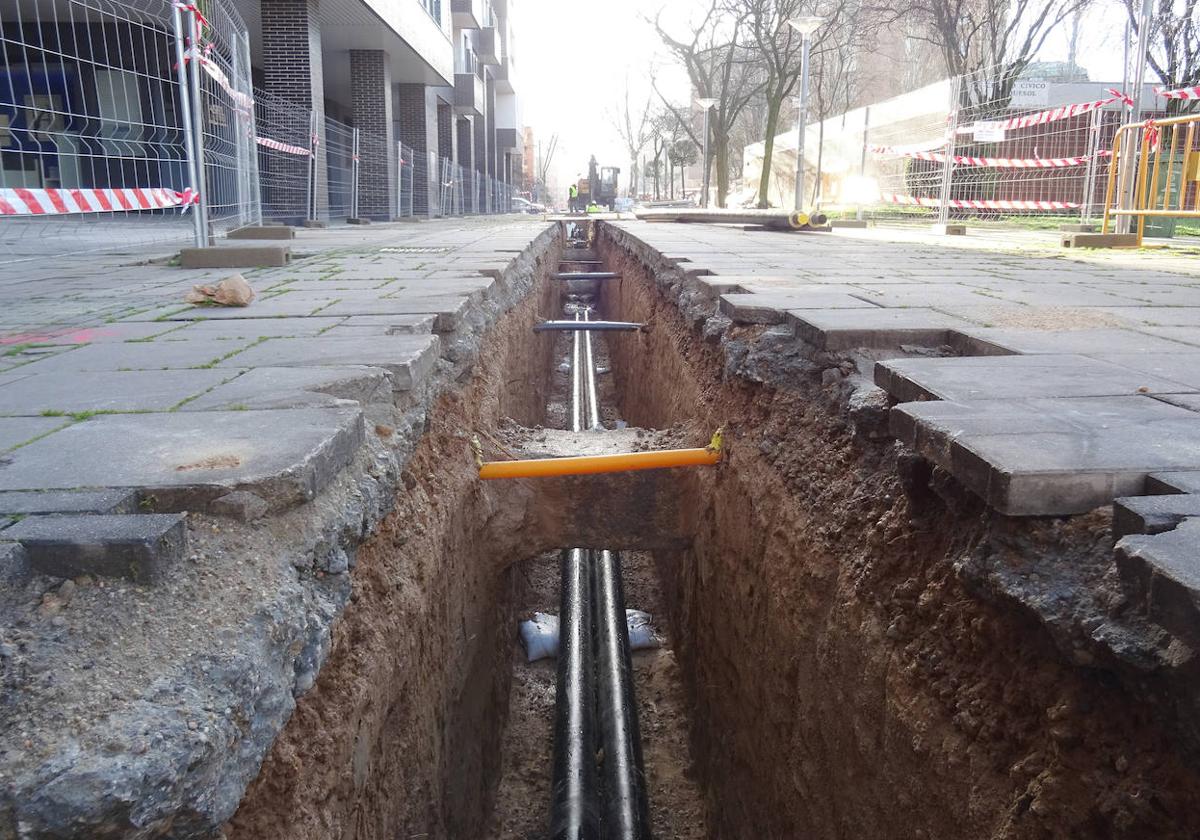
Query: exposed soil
x=843, y=681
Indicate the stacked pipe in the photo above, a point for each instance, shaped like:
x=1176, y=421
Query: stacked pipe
x=595, y=713
x=773, y=219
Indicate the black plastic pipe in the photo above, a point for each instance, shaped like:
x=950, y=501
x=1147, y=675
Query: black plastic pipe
x=587, y=275
x=603, y=326
x=574, y=807
x=626, y=810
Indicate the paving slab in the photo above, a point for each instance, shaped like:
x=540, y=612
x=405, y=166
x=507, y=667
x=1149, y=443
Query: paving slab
x=141, y=547
x=141, y=355
x=248, y=328
x=28, y=503
x=873, y=327
x=398, y=324
x=408, y=358
x=184, y=460
x=87, y=335
x=1007, y=377
x=90, y=391
x=1089, y=342
x=1173, y=482
x=1180, y=366
x=1152, y=514
x=17, y=430
x=449, y=310
x=1163, y=572
x=770, y=308
x=1041, y=457
x=297, y=387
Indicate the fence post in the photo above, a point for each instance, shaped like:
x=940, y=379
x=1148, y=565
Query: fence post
x=951, y=136
x=185, y=110
x=310, y=198
x=198, y=126
x=354, y=173
x=252, y=140
x=862, y=166
x=1092, y=150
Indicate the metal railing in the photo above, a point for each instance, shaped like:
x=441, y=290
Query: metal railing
x=1159, y=176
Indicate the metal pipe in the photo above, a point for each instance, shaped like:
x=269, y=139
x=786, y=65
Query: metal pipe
x=594, y=464
x=586, y=326
x=626, y=811
x=574, y=809
x=576, y=382
x=589, y=378
x=586, y=275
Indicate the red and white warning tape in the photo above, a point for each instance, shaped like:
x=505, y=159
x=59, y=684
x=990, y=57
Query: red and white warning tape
x=978, y=204
x=17, y=201
x=268, y=143
x=999, y=163
x=1063, y=112
x=928, y=146
x=1181, y=93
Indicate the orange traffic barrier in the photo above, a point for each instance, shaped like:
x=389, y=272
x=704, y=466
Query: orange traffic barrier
x=592, y=464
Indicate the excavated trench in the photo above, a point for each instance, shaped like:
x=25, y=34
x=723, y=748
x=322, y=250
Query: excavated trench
x=830, y=666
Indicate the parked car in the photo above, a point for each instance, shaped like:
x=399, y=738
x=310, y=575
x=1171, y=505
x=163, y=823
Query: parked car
x=524, y=205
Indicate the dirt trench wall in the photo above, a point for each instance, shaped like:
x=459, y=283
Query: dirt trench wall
x=400, y=735
x=845, y=682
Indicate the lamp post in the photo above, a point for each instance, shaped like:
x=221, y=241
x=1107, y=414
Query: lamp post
x=806, y=26
x=707, y=105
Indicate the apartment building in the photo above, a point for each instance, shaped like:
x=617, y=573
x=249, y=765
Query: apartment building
x=435, y=75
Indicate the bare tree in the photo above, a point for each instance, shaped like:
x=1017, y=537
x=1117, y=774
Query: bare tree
x=635, y=126
x=716, y=63
x=999, y=36
x=1174, y=54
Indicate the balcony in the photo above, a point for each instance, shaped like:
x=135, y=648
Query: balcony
x=488, y=45
x=468, y=94
x=506, y=138
x=466, y=14
x=501, y=77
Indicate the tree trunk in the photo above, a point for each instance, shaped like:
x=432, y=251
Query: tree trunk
x=721, y=156
x=764, y=180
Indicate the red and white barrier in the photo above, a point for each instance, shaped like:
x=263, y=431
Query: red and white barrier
x=978, y=204
x=1063, y=112
x=17, y=201
x=1181, y=93
x=267, y=142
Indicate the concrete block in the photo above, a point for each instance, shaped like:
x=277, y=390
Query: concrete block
x=183, y=460
x=1099, y=240
x=950, y=230
x=409, y=358
x=241, y=256
x=1152, y=514
x=1077, y=228
x=240, y=505
x=1173, y=482
x=1043, y=457
x=873, y=327
x=263, y=232
x=1008, y=377
x=848, y=223
x=298, y=387
x=357, y=221
x=141, y=548
x=1162, y=572
x=316, y=224
x=990, y=341
x=771, y=307
x=31, y=503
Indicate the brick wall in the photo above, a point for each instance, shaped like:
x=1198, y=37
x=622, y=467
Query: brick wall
x=371, y=95
x=291, y=60
x=416, y=126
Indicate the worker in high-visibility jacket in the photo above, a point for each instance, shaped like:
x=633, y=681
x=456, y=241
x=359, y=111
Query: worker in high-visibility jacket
x=593, y=207
x=572, y=197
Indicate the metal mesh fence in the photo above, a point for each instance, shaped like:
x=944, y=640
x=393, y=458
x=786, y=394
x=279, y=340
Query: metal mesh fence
x=91, y=130
x=284, y=140
x=405, y=177
x=339, y=164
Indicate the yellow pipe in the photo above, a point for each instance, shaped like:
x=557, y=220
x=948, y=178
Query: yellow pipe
x=592, y=464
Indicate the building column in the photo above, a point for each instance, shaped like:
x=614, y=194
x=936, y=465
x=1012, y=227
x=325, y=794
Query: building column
x=371, y=95
x=291, y=58
x=416, y=126
x=466, y=159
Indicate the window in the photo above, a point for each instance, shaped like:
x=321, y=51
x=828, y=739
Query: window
x=434, y=7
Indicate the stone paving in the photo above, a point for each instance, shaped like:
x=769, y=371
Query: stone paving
x=1047, y=381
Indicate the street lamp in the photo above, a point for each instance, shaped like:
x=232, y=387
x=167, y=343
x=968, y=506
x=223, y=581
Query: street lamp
x=707, y=104
x=806, y=26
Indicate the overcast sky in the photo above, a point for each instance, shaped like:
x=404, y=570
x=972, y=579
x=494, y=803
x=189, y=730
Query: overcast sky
x=576, y=59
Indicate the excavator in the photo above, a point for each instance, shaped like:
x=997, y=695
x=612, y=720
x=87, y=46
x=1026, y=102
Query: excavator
x=599, y=186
